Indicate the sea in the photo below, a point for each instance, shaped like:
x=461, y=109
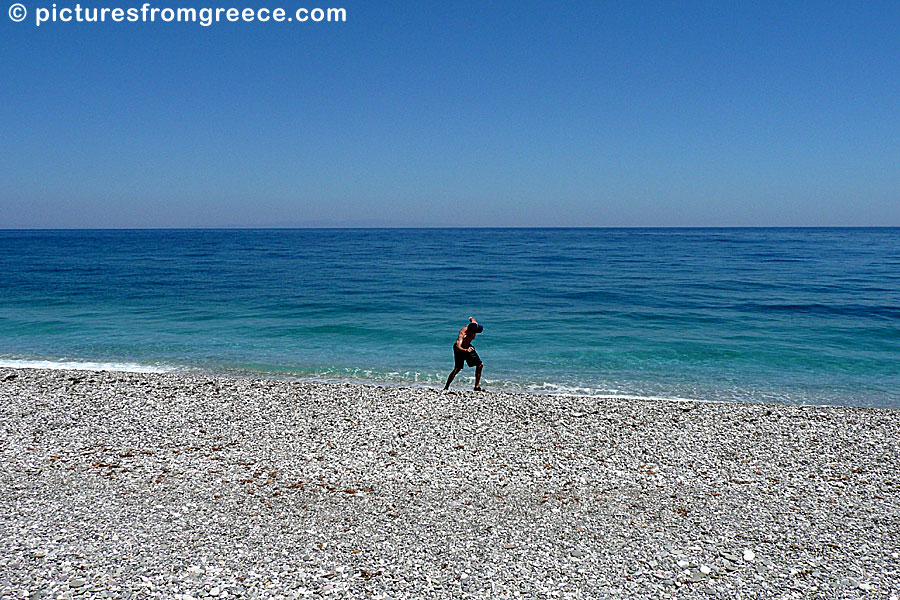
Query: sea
x=797, y=316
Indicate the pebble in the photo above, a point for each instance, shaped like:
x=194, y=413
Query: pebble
x=729, y=556
x=695, y=577
x=141, y=483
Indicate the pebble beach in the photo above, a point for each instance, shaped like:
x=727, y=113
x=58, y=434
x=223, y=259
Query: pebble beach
x=146, y=485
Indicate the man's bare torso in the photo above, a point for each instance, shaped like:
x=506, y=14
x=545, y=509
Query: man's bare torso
x=465, y=338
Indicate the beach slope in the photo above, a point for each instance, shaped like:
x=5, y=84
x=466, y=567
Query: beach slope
x=158, y=485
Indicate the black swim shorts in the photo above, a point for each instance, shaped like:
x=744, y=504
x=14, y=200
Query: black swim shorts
x=462, y=356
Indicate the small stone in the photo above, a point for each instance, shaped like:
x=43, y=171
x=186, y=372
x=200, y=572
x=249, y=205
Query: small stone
x=695, y=577
x=728, y=556
x=749, y=555
x=705, y=570
x=682, y=563
x=866, y=587
x=77, y=583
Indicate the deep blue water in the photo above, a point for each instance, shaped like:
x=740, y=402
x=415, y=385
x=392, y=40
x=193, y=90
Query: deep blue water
x=789, y=315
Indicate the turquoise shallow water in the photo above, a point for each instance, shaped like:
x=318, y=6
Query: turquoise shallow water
x=790, y=315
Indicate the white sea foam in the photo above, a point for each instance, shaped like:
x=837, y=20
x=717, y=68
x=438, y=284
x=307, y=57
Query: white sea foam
x=417, y=379
x=61, y=365
x=413, y=379
x=590, y=392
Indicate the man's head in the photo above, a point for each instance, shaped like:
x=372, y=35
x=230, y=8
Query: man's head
x=474, y=328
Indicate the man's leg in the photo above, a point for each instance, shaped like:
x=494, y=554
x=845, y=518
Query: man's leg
x=452, y=375
x=478, y=375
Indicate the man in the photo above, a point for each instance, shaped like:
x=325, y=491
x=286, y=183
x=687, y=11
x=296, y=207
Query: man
x=464, y=353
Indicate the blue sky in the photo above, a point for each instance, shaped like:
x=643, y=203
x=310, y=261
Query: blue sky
x=488, y=113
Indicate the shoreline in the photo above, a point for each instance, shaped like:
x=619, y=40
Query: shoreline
x=107, y=367
x=118, y=484
x=136, y=368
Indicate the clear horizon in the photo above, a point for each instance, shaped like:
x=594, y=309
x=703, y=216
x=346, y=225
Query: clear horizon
x=462, y=228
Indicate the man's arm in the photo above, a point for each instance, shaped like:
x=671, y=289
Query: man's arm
x=460, y=338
